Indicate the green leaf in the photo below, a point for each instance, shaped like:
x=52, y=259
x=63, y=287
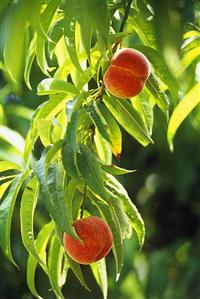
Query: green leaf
x=69, y=150
x=41, y=56
x=90, y=169
x=46, y=111
x=98, y=121
x=100, y=274
x=182, y=110
x=41, y=244
x=143, y=106
x=97, y=18
x=6, y=165
x=45, y=18
x=143, y=28
x=84, y=78
x=77, y=271
x=119, y=193
x=27, y=209
x=55, y=33
x=6, y=212
x=115, y=170
x=12, y=137
x=161, y=69
x=55, y=258
x=29, y=61
x=125, y=117
x=152, y=85
x=114, y=224
x=69, y=32
x=52, y=86
x=51, y=178
x=103, y=148
x=44, y=128
x=114, y=130
x=4, y=187
x=15, y=35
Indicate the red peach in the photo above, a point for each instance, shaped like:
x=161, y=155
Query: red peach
x=127, y=73
x=96, y=239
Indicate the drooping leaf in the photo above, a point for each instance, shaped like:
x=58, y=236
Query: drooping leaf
x=55, y=258
x=77, y=271
x=114, y=130
x=29, y=61
x=69, y=150
x=126, y=119
x=91, y=172
x=41, y=244
x=15, y=35
x=114, y=224
x=103, y=148
x=6, y=212
x=119, y=193
x=182, y=110
x=100, y=274
x=69, y=31
x=44, y=127
x=161, y=69
x=27, y=209
x=152, y=85
x=144, y=107
x=99, y=122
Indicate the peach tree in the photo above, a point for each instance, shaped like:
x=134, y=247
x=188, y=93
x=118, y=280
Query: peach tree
x=79, y=123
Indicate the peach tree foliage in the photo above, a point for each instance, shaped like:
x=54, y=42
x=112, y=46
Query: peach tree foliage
x=80, y=124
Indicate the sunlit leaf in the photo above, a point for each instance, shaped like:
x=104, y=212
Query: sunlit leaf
x=121, y=194
x=126, y=119
x=90, y=169
x=6, y=212
x=41, y=244
x=114, y=130
x=100, y=274
x=27, y=209
x=52, y=86
x=6, y=165
x=182, y=110
x=69, y=150
x=152, y=85
x=55, y=259
x=4, y=187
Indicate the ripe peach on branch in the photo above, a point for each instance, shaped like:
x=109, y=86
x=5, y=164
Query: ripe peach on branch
x=96, y=239
x=128, y=71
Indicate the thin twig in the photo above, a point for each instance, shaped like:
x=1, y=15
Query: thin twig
x=84, y=198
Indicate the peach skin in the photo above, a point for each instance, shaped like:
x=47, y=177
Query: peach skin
x=96, y=239
x=128, y=71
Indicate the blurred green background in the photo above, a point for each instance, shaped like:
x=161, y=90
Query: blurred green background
x=165, y=188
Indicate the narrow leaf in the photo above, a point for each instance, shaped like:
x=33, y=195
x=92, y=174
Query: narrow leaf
x=90, y=169
x=126, y=119
x=52, y=86
x=118, y=191
x=6, y=165
x=182, y=110
x=27, y=209
x=100, y=274
x=114, y=130
x=55, y=259
x=6, y=212
x=41, y=244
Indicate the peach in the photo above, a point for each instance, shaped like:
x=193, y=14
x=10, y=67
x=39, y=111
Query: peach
x=96, y=239
x=127, y=73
